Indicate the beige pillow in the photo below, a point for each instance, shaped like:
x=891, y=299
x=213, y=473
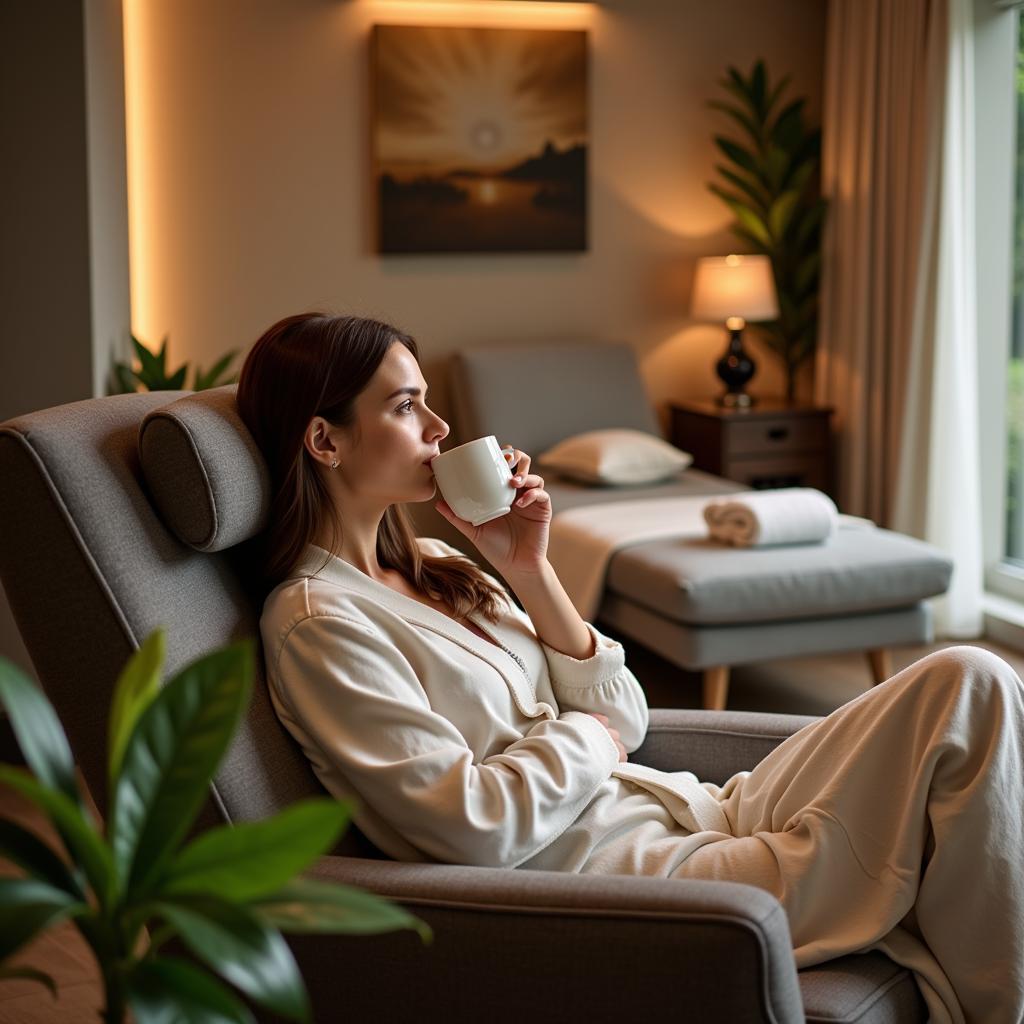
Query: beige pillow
x=616, y=457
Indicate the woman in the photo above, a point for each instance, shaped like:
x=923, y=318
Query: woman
x=471, y=731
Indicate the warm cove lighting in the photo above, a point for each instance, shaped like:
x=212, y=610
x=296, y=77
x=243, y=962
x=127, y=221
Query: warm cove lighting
x=139, y=141
x=497, y=13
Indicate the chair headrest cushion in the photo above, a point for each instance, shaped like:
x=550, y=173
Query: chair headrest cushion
x=206, y=476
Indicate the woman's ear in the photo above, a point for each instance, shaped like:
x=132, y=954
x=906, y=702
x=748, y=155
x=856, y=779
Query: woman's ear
x=319, y=444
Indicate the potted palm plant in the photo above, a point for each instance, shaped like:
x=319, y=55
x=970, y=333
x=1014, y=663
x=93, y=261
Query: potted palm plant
x=153, y=374
x=771, y=186
x=227, y=894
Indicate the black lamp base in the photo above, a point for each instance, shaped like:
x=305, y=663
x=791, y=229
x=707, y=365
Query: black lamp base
x=735, y=368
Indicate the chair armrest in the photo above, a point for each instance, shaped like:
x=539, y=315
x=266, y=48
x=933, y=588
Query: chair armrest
x=714, y=745
x=515, y=945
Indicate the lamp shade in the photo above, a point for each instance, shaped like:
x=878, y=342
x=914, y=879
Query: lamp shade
x=727, y=286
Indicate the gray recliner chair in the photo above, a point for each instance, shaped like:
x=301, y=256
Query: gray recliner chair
x=91, y=568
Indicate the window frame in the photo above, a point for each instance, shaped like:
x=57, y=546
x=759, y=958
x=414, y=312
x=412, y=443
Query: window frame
x=995, y=62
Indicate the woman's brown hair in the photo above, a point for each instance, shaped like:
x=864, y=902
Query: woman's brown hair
x=315, y=364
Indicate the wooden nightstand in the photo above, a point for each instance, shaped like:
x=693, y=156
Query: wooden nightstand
x=770, y=444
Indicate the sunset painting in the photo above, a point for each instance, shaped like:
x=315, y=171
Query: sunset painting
x=480, y=139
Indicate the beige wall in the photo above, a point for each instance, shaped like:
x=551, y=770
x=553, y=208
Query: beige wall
x=251, y=198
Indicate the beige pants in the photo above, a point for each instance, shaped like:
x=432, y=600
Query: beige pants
x=897, y=823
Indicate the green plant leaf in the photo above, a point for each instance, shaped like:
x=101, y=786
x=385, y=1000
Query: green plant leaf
x=162, y=356
x=807, y=273
x=747, y=217
x=171, y=991
x=38, y=731
x=810, y=223
x=756, y=244
x=810, y=147
x=782, y=213
x=137, y=685
x=738, y=155
x=776, y=166
x=729, y=198
x=754, y=192
x=79, y=835
x=27, y=906
x=172, y=754
x=757, y=87
x=800, y=176
x=151, y=365
x=788, y=129
x=30, y=974
x=776, y=93
x=807, y=311
x=308, y=905
x=735, y=83
x=242, y=862
x=236, y=944
x=209, y=380
x=744, y=120
x=125, y=380
x=753, y=223
x=177, y=380
x=29, y=852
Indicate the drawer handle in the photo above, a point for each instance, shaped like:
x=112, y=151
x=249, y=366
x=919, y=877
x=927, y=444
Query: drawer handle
x=778, y=433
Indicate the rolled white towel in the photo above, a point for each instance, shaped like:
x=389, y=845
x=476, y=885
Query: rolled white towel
x=788, y=515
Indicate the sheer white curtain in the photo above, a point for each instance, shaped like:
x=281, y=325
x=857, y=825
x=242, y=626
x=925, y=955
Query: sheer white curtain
x=897, y=348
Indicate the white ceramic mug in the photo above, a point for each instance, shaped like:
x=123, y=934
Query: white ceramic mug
x=474, y=480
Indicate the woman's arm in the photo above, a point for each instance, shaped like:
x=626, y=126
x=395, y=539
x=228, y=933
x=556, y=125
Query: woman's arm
x=554, y=616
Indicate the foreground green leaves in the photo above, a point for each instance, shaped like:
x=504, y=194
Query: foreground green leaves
x=228, y=894
x=306, y=905
x=235, y=943
x=170, y=758
x=172, y=991
x=243, y=862
x=28, y=906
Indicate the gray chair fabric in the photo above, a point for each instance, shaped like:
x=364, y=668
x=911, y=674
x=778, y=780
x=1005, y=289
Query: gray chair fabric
x=210, y=484
x=90, y=569
x=697, y=603
x=600, y=390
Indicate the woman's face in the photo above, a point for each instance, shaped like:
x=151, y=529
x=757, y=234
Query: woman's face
x=384, y=458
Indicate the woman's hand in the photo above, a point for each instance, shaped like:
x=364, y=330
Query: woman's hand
x=614, y=733
x=517, y=543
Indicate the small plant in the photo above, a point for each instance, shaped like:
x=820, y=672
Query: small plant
x=228, y=894
x=772, y=179
x=152, y=372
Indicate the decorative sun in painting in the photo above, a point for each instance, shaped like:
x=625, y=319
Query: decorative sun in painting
x=480, y=138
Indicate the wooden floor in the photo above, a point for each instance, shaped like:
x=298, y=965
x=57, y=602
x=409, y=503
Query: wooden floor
x=60, y=952
x=810, y=686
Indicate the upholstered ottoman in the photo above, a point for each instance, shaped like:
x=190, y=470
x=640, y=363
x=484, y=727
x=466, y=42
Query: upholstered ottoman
x=706, y=606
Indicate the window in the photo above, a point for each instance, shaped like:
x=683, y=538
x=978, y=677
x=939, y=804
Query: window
x=999, y=249
x=1014, y=546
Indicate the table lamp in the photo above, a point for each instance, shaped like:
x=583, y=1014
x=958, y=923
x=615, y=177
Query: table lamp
x=734, y=289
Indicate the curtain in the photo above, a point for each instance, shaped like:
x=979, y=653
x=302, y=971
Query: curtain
x=897, y=348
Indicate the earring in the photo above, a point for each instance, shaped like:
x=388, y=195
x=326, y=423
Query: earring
x=334, y=463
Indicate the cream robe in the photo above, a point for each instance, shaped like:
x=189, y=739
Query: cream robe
x=453, y=750
x=895, y=823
